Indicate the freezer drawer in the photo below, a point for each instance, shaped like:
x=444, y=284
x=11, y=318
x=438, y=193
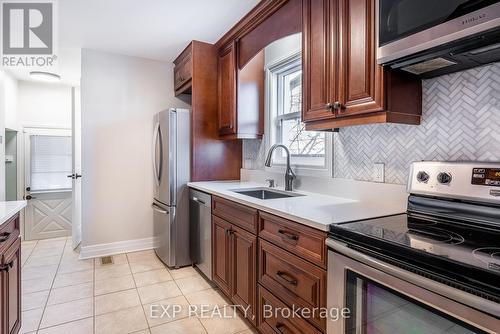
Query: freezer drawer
x=201, y=231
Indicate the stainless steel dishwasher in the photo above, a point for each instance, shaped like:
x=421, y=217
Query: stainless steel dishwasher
x=200, y=217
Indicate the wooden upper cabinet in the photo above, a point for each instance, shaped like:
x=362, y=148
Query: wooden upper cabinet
x=319, y=59
x=227, y=90
x=343, y=84
x=183, y=72
x=361, y=79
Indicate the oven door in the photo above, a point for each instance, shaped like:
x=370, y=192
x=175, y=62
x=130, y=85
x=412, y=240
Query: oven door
x=380, y=301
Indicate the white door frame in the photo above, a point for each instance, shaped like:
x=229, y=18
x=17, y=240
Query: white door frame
x=76, y=140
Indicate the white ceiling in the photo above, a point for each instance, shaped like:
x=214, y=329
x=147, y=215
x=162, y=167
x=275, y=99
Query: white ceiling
x=154, y=29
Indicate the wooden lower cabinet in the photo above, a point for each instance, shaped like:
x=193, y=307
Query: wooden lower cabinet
x=10, y=278
x=221, y=254
x=273, y=316
x=234, y=264
x=244, y=265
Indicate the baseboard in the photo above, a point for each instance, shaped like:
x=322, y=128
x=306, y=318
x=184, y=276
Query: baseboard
x=119, y=247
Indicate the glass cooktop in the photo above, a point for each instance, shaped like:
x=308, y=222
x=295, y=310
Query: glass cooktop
x=451, y=249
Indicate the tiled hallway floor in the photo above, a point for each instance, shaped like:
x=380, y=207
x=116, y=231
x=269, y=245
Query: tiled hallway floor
x=65, y=295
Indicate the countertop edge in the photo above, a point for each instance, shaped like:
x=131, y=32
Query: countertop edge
x=300, y=220
x=10, y=209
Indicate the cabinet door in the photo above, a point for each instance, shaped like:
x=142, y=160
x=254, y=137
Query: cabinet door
x=244, y=254
x=227, y=90
x=361, y=79
x=319, y=52
x=221, y=254
x=10, y=290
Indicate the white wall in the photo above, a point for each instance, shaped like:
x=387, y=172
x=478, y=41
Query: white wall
x=120, y=95
x=42, y=104
x=5, y=99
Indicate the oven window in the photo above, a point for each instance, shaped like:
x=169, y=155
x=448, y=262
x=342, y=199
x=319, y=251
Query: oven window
x=376, y=309
x=401, y=18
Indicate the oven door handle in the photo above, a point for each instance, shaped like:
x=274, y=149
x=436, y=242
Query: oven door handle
x=425, y=283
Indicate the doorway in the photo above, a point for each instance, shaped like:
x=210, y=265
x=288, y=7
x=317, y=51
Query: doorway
x=48, y=189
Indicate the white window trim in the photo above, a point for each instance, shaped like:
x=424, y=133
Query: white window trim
x=270, y=95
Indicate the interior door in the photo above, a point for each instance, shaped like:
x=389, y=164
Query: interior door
x=48, y=190
x=76, y=200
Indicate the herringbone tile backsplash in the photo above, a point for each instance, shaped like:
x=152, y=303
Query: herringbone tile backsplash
x=460, y=121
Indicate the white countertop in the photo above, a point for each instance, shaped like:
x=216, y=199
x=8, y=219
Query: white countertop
x=315, y=210
x=9, y=209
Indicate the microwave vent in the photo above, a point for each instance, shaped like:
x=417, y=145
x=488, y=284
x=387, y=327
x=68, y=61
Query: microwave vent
x=428, y=66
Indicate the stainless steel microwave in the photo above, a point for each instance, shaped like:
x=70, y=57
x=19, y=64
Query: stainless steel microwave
x=437, y=36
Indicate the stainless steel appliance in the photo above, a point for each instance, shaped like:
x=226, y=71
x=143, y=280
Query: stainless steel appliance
x=431, y=38
x=435, y=269
x=171, y=166
x=200, y=215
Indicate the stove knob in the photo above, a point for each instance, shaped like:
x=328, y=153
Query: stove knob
x=444, y=178
x=422, y=177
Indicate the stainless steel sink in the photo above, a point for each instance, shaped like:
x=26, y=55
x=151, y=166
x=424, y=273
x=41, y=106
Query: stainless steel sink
x=265, y=193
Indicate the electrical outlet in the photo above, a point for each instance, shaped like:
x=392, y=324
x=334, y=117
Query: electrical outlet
x=379, y=172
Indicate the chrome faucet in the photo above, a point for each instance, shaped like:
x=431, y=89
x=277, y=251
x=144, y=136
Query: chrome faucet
x=289, y=175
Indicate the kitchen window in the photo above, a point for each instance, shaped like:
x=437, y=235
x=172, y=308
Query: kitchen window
x=310, y=150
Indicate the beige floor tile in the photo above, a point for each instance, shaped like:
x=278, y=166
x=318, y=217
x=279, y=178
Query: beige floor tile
x=29, y=243
x=41, y=252
x=71, y=266
x=117, y=259
x=152, y=277
x=228, y=323
x=84, y=326
x=35, y=285
x=160, y=291
x=67, y=312
x=30, y=272
x=192, y=284
x=167, y=310
x=121, y=322
x=31, y=301
x=145, y=331
x=146, y=265
x=141, y=256
x=183, y=272
x=114, y=285
x=183, y=326
x=70, y=293
x=206, y=298
x=43, y=260
x=30, y=320
x=248, y=331
x=116, y=301
x=75, y=278
x=113, y=271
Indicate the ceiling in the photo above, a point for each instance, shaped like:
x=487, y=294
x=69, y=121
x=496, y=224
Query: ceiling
x=154, y=29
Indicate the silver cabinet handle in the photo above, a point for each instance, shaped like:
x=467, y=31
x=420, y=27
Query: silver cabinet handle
x=157, y=209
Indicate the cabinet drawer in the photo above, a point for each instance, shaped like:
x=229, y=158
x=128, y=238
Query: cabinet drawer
x=10, y=254
x=182, y=72
x=9, y=232
x=296, y=281
x=271, y=321
x=294, y=237
x=237, y=214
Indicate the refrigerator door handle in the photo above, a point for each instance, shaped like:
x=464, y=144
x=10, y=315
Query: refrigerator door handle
x=158, y=209
x=155, y=141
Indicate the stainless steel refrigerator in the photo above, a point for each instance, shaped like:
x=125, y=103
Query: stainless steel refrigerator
x=171, y=171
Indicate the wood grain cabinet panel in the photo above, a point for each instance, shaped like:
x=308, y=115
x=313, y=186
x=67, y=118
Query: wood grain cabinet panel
x=237, y=214
x=244, y=265
x=294, y=237
x=10, y=277
x=227, y=90
x=269, y=321
x=319, y=59
x=183, y=72
x=295, y=280
x=221, y=254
